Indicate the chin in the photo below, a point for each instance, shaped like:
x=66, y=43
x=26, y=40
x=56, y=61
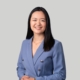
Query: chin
x=38, y=32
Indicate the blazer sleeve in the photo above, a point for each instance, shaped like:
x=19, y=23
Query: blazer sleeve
x=20, y=67
x=59, y=72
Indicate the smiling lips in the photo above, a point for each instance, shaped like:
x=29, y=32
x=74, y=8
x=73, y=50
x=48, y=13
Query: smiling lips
x=38, y=28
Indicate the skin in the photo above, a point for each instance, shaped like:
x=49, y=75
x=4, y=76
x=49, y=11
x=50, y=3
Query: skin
x=38, y=26
x=27, y=78
x=38, y=23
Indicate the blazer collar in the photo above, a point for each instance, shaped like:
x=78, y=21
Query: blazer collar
x=39, y=51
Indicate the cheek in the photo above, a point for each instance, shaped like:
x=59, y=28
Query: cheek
x=32, y=24
x=44, y=26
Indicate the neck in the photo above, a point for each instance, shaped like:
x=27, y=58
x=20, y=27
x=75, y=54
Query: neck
x=38, y=38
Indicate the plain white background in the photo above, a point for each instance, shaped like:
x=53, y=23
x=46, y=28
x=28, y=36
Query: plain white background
x=65, y=23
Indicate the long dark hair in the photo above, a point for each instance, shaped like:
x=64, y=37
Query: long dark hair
x=48, y=38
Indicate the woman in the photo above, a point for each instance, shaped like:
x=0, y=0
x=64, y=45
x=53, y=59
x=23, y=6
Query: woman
x=41, y=56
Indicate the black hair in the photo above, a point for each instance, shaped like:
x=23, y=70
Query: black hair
x=48, y=38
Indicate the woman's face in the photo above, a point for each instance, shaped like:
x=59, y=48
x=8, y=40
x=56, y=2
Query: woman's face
x=38, y=22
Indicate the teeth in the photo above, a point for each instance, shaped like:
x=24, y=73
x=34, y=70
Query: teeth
x=38, y=27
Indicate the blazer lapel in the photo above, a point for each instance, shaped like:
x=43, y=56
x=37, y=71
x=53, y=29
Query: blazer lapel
x=38, y=52
x=29, y=56
x=32, y=60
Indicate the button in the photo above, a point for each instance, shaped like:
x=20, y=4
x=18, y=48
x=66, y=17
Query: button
x=24, y=68
x=39, y=69
x=22, y=59
x=42, y=61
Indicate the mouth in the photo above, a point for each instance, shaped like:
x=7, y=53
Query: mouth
x=38, y=28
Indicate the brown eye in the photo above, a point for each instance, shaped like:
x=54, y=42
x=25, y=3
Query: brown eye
x=43, y=20
x=34, y=20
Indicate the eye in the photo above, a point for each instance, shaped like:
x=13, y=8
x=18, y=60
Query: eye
x=43, y=20
x=34, y=20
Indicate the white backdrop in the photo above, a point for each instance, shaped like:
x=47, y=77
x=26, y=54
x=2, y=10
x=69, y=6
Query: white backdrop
x=65, y=23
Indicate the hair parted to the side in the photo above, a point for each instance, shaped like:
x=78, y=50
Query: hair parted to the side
x=48, y=38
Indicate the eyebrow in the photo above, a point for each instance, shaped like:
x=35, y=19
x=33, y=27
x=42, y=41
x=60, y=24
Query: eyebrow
x=36, y=18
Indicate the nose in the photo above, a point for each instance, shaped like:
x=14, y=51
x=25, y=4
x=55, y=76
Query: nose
x=38, y=23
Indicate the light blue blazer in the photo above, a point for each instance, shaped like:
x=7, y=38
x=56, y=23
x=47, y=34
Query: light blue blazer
x=49, y=65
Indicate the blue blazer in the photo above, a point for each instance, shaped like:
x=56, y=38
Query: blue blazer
x=45, y=65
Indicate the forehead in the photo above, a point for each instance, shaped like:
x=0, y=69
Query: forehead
x=38, y=14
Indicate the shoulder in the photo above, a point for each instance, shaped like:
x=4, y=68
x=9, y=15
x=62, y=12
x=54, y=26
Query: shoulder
x=25, y=41
x=57, y=44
